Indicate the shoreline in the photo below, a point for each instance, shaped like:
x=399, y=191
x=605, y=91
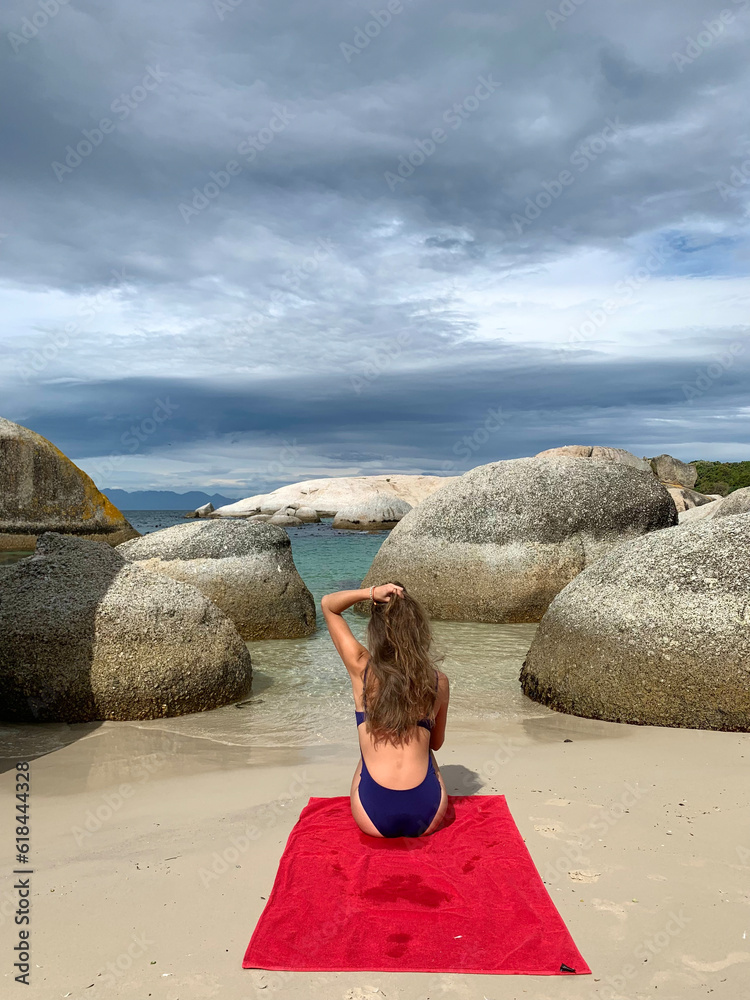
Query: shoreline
x=139, y=831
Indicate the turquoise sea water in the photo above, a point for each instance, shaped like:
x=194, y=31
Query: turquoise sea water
x=301, y=692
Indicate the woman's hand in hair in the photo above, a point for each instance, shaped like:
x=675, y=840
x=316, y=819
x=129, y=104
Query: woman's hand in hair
x=383, y=593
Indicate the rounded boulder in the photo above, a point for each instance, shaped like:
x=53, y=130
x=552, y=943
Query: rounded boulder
x=88, y=636
x=656, y=633
x=737, y=502
x=246, y=568
x=377, y=512
x=42, y=490
x=500, y=542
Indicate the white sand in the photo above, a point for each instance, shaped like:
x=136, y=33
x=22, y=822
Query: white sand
x=158, y=893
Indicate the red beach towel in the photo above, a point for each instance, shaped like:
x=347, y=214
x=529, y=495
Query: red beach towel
x=466, y=899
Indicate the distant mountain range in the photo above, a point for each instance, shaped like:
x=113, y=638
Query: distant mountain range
x=164, y=499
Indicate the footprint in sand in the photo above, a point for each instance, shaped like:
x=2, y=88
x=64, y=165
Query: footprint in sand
x=579, y=876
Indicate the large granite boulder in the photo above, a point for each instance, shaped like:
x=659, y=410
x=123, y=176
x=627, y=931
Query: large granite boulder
x=499, y=543
x=671, y=470
x=600, y=453
x=42, y=490
x=87, y=635
x=377, y=512
x=328, y=496
x=737, y=502
x=656, y=633
x=245, y=568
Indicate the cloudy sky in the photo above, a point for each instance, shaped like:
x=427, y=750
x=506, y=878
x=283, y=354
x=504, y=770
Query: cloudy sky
x=245, y=242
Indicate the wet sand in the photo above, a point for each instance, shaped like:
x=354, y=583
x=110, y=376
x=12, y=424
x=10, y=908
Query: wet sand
x=143, y=886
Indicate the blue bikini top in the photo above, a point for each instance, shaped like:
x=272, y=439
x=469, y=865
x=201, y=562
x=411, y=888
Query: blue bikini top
x=424, y=723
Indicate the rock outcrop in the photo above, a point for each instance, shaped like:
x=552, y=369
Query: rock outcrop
x=655, y=633
x=328, y=496
x=737, y=502
x=204, y=511
x=706, y=510
x=686, y=499
x=42, y=490
x=377, y=513
x=87, y=635
x=245, y=568
x=671, y=470
x=285, y=520
x=500, y=542
x=308, y=515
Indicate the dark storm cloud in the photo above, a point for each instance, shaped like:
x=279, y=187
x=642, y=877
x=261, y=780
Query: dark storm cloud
x=474, y=143
x=221, y=81
x=528, y=404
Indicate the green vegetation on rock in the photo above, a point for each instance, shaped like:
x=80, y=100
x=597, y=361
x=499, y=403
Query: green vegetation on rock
x=722, y=477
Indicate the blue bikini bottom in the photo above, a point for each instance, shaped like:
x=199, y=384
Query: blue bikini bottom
x=400, y=812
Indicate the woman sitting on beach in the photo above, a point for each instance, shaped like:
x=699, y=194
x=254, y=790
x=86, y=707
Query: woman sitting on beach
x=397, y=790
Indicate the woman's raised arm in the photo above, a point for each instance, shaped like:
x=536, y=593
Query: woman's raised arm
x=353, y=654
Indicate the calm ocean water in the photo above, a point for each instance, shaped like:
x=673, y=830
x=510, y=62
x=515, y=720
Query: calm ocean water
x=301, y=693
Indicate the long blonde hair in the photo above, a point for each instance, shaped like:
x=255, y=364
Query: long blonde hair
x=400, y=680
